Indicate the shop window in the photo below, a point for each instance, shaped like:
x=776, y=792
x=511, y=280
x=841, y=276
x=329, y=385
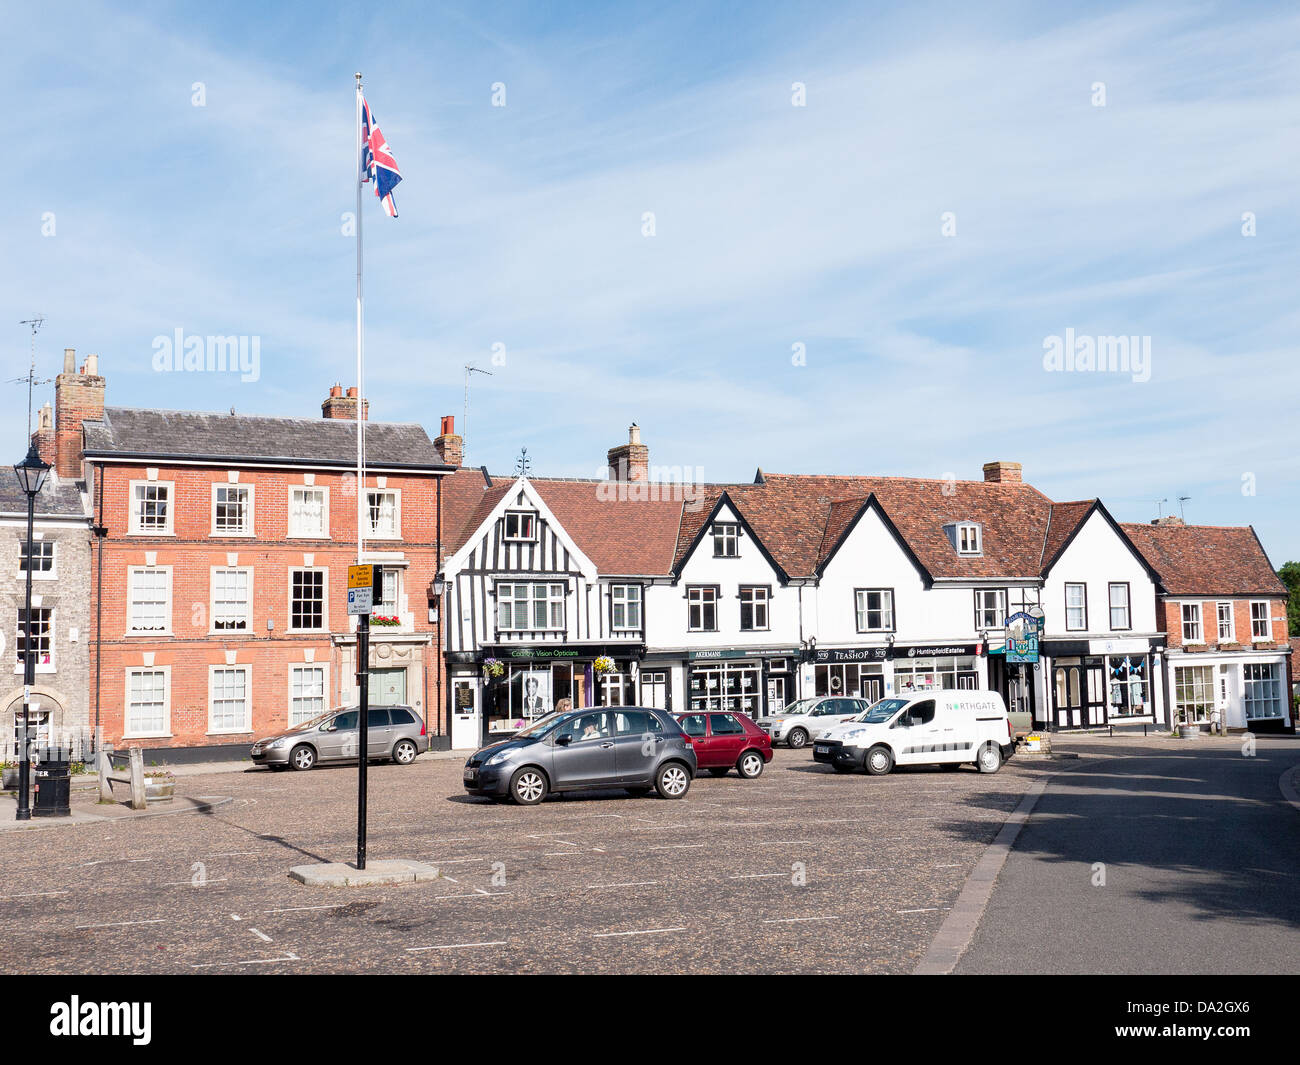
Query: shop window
x=1263, y=690
x=1128, y=687
x=1193, y=694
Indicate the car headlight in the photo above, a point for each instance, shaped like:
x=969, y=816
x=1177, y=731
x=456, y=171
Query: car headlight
x=854, y=733
x=283, y=741
x=497, y=758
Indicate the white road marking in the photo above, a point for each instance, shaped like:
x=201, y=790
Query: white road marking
x=638, y=932
x=452, y=879
x=674, y=846
x=122, y=924
x=796, y=920
x=33, y=894
x=231, y=854
x=483, y=894
x=260, y=935
x=210, y=880
x=780, y=842
x=456, y=861
x=755, y=876
x=457, y=946
x=296, y=909
x=630, y=883
x=925, y=909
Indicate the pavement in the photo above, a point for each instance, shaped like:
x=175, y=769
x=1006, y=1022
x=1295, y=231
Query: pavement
x=1155, y=857
x=800, y=871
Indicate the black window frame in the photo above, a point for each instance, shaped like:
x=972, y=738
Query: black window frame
x=716, y=589
x=766, y=589
x=720, y=529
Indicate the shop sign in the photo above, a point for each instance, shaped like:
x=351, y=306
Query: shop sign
x=707, y=656
x=939, y=650
x=1022, y=638
x=850, y=654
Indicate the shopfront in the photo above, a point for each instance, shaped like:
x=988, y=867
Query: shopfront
x=1097, y=683
x=753, y=683
x=520, y=685
x=935, y=668
x=850, y=671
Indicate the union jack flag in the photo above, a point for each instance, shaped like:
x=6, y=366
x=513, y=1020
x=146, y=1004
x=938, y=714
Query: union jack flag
x=377, y=162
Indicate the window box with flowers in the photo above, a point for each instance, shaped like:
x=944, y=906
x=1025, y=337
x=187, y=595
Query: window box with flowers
x=384, y=622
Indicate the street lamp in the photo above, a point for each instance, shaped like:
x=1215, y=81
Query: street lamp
x=31, y=478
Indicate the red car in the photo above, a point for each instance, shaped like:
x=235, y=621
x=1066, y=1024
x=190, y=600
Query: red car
x=724, y=740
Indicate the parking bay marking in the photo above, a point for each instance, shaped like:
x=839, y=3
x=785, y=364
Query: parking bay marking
x=630, y=883
x=121, y=924
x=637, y=932
x=798, y=920
x=457, y=946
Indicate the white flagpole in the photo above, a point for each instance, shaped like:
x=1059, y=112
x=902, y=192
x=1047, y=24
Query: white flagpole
x=361, y=469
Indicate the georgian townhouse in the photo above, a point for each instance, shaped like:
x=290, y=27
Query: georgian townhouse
x=58, y=631
x=546, y=583
x=1223, y=609
x=220, y=579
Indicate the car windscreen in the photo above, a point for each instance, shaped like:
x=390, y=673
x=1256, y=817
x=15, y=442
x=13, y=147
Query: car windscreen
x=303, y=726
x=881, y=712
x=540, y=728
x=799, y=706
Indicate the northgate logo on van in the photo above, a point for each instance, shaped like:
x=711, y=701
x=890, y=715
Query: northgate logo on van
x=121, y=1019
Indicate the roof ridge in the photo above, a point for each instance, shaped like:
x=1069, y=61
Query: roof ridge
x=270, y=417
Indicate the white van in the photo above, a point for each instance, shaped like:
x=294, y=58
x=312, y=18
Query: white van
x=948, y=727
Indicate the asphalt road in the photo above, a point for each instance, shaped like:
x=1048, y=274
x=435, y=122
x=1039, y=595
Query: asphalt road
x=1201, y=867
x=800, y=871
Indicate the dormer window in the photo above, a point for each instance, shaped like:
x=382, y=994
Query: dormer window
x=966, y=537
x=521, y=525
x=726, y=539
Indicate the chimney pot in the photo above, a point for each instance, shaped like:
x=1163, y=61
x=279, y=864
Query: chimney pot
x=69, y=360
x=630, y=461
x=340, y=407
x=450, y=446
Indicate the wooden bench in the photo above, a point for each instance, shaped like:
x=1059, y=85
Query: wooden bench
x=121, y=769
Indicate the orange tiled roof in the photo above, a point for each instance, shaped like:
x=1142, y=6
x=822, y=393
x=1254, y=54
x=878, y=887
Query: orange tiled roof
x=1207, y=559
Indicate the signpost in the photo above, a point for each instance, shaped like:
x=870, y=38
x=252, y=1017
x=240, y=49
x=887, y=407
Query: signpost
x=1022, y=638
x=361, y=599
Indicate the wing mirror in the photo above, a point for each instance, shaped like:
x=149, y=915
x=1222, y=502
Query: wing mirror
x=563, y=741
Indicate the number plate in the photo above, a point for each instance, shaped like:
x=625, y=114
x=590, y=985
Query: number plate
x=822, y=750
x=471, y=774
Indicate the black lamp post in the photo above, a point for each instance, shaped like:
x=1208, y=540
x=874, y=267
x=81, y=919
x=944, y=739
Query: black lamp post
x=31, y=477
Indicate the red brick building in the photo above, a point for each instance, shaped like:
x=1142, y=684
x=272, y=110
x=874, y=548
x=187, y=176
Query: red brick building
x=1224, y=611
x=219, y=587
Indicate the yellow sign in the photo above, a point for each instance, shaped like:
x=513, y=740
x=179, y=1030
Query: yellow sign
x=360, y=576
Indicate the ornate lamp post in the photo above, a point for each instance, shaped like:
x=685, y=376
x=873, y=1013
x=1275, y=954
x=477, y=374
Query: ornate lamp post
x=31, y=478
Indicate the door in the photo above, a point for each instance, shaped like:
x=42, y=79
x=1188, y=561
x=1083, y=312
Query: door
x=465, y=731
x=387, y=687
x=654, y=689
x=696, y=726
x=728, y=739
x=638, y=739
x=584, y=751
x=922, y=736
x=1079, y=693
x=775, y=695
x=343, y=739
x=379, y=732
x=873, y=687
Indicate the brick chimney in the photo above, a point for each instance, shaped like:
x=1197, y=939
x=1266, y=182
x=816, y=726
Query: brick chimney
x=339, y=406
x=1168, y=519
x=1002, y=472
x=43, y=438
x=630, y=461
x=450, y=446
x=78, y=397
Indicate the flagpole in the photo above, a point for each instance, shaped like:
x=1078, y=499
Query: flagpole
x=361, y=472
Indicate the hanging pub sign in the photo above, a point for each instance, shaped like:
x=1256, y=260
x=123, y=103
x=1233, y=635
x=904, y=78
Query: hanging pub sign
x=1022, y=638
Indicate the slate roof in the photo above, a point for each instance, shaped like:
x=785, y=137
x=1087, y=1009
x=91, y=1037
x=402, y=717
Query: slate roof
x=58, y=496
x=1207, y=559
x=159, y=434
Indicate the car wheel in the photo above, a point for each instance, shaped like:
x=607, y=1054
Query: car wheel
x=528, y=786
x=719, y=770
x=798, y=738
x=302, y=757
x=879, y=761
x=750, y=765
x=672, y=781
x=990, y=758
x=404, y=752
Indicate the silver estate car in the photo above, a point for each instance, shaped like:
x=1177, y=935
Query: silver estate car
x=393, y=732
x=635, y=748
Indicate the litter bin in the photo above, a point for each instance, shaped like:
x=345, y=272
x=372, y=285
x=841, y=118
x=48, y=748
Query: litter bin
x=53, y=789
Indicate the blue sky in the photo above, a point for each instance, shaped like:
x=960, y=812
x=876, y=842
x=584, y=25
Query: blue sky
x=775, y=226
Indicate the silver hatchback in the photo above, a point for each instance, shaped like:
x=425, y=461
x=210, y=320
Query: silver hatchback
x=393, y=732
